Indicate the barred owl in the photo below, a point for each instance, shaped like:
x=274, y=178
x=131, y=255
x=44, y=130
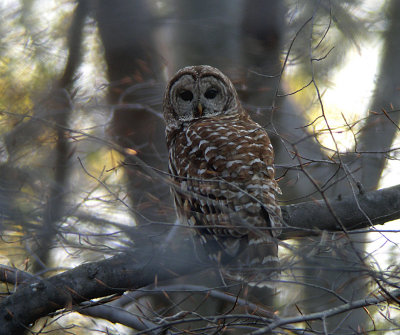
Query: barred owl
x=222, y=165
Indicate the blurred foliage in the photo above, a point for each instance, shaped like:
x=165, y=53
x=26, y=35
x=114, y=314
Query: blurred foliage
x=323, y=26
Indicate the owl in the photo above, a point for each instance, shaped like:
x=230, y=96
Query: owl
x=222, y=165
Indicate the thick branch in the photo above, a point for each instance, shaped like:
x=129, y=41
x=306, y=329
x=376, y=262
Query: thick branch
x=151, y=262
x=131, y=270
x=14, y=276
x=355, y=212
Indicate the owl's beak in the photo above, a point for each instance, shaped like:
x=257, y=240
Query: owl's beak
x=199, y=110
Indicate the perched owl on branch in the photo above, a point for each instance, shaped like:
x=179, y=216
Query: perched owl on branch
x=222, y=165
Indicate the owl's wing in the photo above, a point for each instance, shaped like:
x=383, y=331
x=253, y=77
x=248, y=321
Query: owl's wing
x=228, y=178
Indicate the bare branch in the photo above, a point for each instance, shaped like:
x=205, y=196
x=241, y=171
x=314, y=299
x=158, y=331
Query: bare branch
x=327, y=313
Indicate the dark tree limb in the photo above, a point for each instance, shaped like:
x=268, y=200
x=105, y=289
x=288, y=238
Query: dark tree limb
x=148, y=263
x=130, y=270
x=14, y=276
x=355, y=212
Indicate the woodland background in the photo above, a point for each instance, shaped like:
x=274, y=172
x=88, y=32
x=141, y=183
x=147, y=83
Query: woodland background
x=83, y=163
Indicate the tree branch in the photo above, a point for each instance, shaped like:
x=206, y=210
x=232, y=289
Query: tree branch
x=151, y=261
x=373, y=300
x=14, y=276
x=355, y=212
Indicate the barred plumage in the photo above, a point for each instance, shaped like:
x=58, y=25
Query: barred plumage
x=222, y=162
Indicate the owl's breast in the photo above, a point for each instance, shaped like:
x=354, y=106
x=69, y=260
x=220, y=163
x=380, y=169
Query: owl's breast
x=228, y=149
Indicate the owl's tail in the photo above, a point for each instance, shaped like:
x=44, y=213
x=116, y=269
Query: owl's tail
x=258, y=264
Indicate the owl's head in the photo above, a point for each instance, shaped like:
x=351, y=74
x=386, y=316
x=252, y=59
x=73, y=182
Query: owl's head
x=196, y=92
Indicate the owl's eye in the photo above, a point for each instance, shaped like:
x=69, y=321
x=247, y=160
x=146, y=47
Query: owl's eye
x=186, y=95
x=211, y=93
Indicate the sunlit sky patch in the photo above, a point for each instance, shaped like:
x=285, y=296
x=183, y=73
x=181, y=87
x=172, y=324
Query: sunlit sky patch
x=352, y=91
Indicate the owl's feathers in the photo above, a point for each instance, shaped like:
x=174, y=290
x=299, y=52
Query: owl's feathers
x=222, y=162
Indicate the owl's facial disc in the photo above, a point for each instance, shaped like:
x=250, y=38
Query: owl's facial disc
x=204, y=96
